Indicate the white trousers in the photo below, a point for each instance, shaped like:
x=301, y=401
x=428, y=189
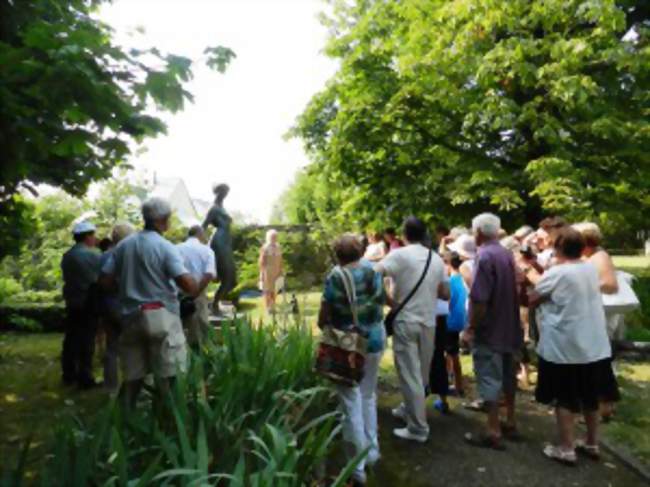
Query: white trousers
x=359, y=406
x=413, y=351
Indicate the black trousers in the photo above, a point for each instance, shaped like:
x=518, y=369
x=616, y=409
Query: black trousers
x=78, y=346
x=438, y=377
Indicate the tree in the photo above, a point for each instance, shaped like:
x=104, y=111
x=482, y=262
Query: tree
x=73, y=104
x=445, y=108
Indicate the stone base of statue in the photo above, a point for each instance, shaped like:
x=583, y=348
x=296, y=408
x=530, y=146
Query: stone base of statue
x=227, y=313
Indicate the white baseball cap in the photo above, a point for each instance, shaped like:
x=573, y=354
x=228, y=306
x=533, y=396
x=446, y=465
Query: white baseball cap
x=465, y=246
x=83, y=227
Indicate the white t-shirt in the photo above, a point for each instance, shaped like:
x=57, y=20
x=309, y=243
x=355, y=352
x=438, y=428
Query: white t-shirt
x=572, y=321
x=198, y=258
x=545, y=258
x=405, y=266
x=375, y=251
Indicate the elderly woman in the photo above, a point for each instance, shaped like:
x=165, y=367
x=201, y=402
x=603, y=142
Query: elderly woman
x=270, y=268
x=575, y=370
x=594, y=253
x=359, y=403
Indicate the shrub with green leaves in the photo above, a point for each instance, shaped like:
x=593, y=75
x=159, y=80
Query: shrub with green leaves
x=249, y=412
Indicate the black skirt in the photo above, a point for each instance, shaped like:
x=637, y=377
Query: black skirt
x=576, y=387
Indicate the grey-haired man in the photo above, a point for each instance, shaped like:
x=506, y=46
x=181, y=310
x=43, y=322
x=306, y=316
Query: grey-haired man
x=145, y=266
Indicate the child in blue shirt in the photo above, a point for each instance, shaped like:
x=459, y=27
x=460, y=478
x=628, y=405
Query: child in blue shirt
x=456, y=320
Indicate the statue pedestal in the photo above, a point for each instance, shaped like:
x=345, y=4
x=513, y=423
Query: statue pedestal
x=227, y=312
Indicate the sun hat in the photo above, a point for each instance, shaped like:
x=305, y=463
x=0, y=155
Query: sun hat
x=456, y=232
x=83, y=227
x=465, y=246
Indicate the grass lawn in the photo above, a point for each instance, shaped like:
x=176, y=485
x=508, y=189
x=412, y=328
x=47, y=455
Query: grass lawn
x=632, y=262
x=632, y=425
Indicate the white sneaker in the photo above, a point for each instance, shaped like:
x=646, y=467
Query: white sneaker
x=405, y=434
x=399, y=412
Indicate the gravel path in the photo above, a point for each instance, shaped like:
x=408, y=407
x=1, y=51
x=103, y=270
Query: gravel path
x=445, y=460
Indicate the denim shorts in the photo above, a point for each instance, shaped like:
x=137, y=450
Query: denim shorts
x=495, y=372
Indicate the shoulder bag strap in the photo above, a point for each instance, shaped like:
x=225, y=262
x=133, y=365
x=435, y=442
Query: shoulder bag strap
x=417, y=286
x=350, y=291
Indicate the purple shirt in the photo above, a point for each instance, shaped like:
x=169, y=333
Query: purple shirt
x=495, y=284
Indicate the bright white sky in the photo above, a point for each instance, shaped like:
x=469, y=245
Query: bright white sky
x=233, y=132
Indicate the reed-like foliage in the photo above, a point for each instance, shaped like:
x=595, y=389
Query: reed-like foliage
x=249, y=412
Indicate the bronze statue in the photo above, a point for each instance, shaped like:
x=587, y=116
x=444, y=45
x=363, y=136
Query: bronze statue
x=221, y=245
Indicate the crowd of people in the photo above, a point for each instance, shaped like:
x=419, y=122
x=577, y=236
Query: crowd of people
x=479, y=288
x=496, y=294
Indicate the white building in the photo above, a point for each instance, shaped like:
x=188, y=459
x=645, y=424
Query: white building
x=175, y=192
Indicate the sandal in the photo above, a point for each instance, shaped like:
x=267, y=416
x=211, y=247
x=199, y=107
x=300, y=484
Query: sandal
x=591, y=451
x=559, y=455
x=511, y=433
x=485, y=441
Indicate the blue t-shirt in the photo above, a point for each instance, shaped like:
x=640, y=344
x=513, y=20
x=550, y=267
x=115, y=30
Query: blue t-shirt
x=145, y=265
x=457, y=304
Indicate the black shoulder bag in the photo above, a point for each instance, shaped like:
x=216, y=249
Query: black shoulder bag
x=389, y=321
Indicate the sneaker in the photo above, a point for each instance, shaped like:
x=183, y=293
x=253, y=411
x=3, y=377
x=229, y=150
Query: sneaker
x=399, y=412
x=358, y=480
x=566, y=457
x=405, y=434
x=441, y=406
x=592, y=451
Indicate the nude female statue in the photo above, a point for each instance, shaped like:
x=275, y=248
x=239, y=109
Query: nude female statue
x=221, y=245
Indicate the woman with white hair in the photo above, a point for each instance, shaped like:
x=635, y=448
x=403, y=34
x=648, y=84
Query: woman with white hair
x=270, y=268
x=602, y=261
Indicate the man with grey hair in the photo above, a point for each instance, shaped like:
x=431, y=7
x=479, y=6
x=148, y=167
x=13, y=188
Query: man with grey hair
x=199, y=260
x=495, y=330
x=145, y=267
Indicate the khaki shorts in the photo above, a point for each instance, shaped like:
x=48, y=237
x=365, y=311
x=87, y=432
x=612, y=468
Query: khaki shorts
x=152, y=341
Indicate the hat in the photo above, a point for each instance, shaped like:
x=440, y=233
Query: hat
x=465, y=246
x=83, y=227
x=456, y=232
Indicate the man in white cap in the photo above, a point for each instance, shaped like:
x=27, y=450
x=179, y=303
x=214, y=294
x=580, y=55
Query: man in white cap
x=199, y=260
x=147, y=268
x=80, y=269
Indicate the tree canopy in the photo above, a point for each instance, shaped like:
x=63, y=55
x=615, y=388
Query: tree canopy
x=74, y=104
x=444, y=108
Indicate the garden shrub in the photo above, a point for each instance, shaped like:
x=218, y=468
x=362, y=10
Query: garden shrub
x=249, y=412
x=638, y=321
x=48, y=316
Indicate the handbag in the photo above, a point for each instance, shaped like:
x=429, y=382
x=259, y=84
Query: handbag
x=623, y=301
x=187, y=307
x=389, y=320
x=342, y=353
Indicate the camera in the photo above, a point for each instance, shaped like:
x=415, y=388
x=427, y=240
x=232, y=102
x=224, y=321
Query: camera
x=527, y=251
